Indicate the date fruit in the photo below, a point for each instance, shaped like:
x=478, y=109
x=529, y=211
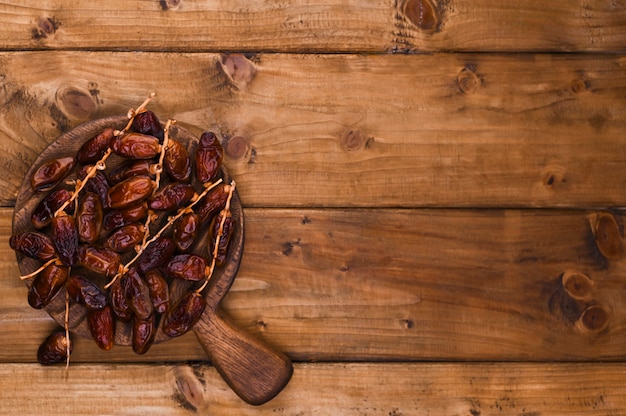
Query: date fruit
x=89, y=218
x=144, y=332
x=177, y=162
x=137, y=293
x=126, y=238
x=156, y=254
x=184, y=315
x=44, y=211
x=190, y=267
x=85, y=292
x=119, y=303
x=148, y=123
x=99, y=260
x=54, y=349
x=185, y=231
x=212, y=203
x=46, y=285
x=51, y=172
x=65, y=238
x=93, y=149
x=159, y=290
x=172, y=196
x=33, y=244
x=117, y=218
x=130, y=191
x=135, y=146
x=101, y=324
x=208, y=157
x=130, y=169
x=224, y=238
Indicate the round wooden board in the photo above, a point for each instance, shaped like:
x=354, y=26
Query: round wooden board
x=67, y=145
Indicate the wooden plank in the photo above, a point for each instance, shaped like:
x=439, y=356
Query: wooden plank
x=400, y=285
x=321, y=26
x=452, y=130
x=321, y=389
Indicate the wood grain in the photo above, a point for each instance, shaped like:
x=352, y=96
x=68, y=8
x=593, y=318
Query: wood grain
x=321, y=26
x=376, y=284
x=322, y=389
x=450, y=130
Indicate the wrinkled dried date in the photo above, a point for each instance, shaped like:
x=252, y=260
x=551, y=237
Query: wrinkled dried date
x=177, y=162
x=130, y=169
x=98, y=184
x=172, y=196
x=189, y=267
x=46, y=285
x=65, y=238
x=126, y=238
x=51, y=172
x=54, y=349
x=158, y=289
x=93, y=149
x=100, y=260
x=137, y=294
x=224, y=238
x=119, y=303
x=83, y=291
x=208, y=157
x=148, y=123
x=144, y=332
x=185, y=231
x=101, y=325
x=89, y=218
x=135, y=146
x=117, y=218
x=33, y=244
x=43, y=213
x=184, y=315
x=212, y=203
x=156, y=254
x=130, y=191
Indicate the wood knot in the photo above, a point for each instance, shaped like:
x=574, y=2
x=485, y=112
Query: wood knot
x=170, y=4
x=46, y=26
x=238, y=69
x=467, y=80
x=578, y=85
x=607, y=235
x=594, y=320
x=577, y=285
x=236, y=147
x=424, y=14
x=75, y=103
x=353, y=140
x=190, y=391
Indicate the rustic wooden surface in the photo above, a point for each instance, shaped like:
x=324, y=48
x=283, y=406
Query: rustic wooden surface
x=433, y=191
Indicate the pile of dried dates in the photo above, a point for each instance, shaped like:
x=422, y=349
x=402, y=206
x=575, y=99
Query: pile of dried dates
x=118, y=239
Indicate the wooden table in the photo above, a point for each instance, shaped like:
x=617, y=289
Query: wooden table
x=433, y=192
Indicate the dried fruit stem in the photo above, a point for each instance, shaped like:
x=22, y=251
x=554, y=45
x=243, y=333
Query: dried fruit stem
x=39, y=270
x=159, y=167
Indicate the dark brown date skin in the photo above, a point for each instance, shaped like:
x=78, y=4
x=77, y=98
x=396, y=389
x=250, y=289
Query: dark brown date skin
x=89, y=218
x=144, y=331
x=99, y=260
x=189, y=267
x=83, y=291
x=119, y=303
x=33, y=244
x=51, y=172
x=130, y=169
x=135, y=146
x=224, y=239
x=126, y=238
x=44, y=211
x=101, y=324
x=148, y=123
x=185, y=231
x=208, y=157
x=65, y=238
x=93, y=149
x=98, y=184
x=172, y=196
x=137, y=294
x=46, y=285
x=159, y=290
x=184, y=315
x=212, y=203
x=157, y=254
x=130, y=191
x=177, y=162
x=54, y=349
x=121, y=217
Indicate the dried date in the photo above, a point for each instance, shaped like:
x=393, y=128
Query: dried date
x=177, y=162
x=159, y=290
x=121, y=217
x=144, y=332
x=46, y=285
x=189, y=267
x=223, y=238
x=33, y=244
x=148, y=123
x=65, y=238
x=100, y=260
x=98, y=184
x=130, y=169
x=85, y=292
x=51, y=172
x=119, y=303
x=185, y=231
x=208, y=157
x=212, y=203
x=130, y=191
x=101, y=324
x=184, y=315
x=135, y=146
x=137, y=293
x=157, y=254
x=54, y=349
x=43, y=213
x=172, y=196
x=93, y=149
x=126, y=238
x=89, y=218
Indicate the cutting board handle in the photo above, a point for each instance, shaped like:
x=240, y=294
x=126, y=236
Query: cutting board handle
x=252, y=369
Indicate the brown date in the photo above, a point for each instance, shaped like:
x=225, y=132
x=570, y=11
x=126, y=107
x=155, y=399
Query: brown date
x=126, y=238
x=54, y=349
x=120, y=217
x=98, y=184
x=189, y=267
x=93, y=149
x=99, y=260
x=224, y=238
x=130, y=169
x=157, y=254
x=172, y=196
x=46, y=285
x=208, y=157
x=159, y=290
x=33, y=244
x=135, y=146
x=65, y=238
x=130, y=191
x=101, y=324
x=212, y=203
x=119, y=303
x=177, y=162
x=137, y=293
x=144, y=331
x=85, y=292
x=184, y=315
x=89, y=218
x=44, y=211
x=185, y=231
x=51, y=172
x=148, y=123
